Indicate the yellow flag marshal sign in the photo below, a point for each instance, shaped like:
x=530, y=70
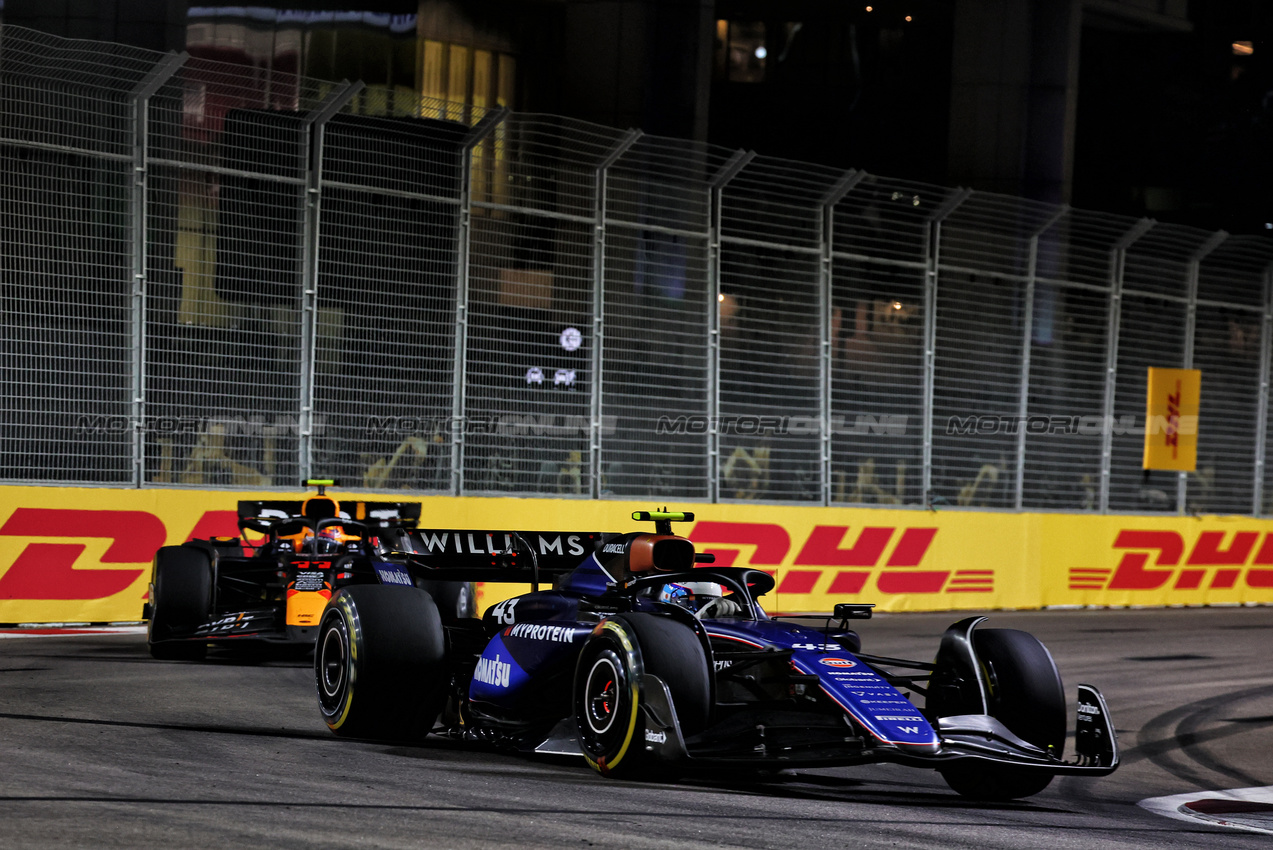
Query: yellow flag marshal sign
x=1171, y=419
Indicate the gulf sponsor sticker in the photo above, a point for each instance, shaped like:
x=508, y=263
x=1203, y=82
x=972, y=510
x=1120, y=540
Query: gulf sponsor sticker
x=837, y=663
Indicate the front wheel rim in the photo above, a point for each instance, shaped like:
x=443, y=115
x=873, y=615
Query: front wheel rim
x=601, y=694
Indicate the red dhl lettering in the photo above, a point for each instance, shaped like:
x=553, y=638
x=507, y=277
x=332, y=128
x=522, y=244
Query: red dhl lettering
x=1154, y=558
x=1172, y=437
x=828, y=548
x=50, y=571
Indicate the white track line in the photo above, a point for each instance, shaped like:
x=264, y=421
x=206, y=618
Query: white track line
x=64, y=630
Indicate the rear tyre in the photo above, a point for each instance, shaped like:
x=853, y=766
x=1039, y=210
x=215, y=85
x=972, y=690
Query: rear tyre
x=456, y=600
x=1026, y=695
x=379, y=663
x=609, y=691
x=183, y=598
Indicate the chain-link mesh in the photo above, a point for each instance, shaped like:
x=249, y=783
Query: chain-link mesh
x=1231, y=292
x=530, y=330
x=658, y=294
x=66, y=249
x=388, y=245
x=772, y=234
x=223, y=325
x=217, y=277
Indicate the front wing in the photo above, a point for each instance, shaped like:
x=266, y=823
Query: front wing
x=975, y=737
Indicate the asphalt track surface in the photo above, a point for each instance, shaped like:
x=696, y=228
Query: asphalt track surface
x=101, y=746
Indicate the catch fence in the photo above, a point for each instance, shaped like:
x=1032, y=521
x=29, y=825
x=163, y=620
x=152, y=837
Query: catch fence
x=216, y=276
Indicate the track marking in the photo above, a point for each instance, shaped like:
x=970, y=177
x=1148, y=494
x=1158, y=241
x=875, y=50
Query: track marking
x=53, y=630
x=1249, y=809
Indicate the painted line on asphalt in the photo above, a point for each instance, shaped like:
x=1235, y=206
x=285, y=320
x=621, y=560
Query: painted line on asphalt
x=53, y=630
x=1249, y=809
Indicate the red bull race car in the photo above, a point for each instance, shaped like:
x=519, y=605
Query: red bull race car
x=649, y=661
x=269, y=586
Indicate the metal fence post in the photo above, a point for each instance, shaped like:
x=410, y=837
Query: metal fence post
x=1262, y=412
x=716, y=188
x=140, y=97
x=828, y=202
x=1191, y=329
x=1118, y=263
x=1027, y=339
x=932, y=251
x=597, y=359
x=311, y=154
x=476, y=134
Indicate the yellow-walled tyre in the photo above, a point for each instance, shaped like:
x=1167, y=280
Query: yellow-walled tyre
x=380, y=663
x=608, y=690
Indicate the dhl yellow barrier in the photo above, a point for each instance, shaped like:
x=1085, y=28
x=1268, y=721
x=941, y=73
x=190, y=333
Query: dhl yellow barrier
x=83, y=554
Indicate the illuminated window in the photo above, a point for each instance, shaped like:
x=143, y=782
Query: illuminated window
x=741, y=51
x=1243, y=48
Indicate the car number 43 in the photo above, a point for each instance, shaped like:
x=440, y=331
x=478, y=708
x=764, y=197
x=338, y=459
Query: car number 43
x=504, y=612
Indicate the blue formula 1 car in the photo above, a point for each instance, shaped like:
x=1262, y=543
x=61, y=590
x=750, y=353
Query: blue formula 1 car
x=650, y=662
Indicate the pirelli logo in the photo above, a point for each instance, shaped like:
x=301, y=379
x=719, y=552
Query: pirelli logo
x=838, y=559
x=1214, y=560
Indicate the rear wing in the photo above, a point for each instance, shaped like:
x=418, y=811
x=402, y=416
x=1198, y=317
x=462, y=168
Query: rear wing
x=370, y=514
x=495, y=555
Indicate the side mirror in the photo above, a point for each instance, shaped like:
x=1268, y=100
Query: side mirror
x=853, y=610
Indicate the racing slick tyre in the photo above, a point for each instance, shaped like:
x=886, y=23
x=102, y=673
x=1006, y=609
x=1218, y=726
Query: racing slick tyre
x=183, y=598
x=609, y=690
x=379, y=662
x=456, y=600
x=1026, y=695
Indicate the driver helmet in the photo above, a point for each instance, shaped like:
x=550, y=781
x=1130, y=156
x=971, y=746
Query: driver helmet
x=330, y=540
x=691, y=595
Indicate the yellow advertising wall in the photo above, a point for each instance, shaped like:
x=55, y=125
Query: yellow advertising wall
x=83, y=555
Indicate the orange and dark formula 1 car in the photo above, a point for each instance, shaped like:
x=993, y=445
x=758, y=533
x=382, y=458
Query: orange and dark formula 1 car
x=271, y=584
x=649, y=661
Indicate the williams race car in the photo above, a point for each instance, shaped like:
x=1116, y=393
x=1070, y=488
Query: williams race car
x=269, y=586
x=650, y=665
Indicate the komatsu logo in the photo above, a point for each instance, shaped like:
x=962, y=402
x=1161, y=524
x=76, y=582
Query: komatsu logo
x=493, y=672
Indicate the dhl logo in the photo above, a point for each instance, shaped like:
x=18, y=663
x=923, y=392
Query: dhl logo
x=50, y=570
x=1152, y=559
x=824, y=550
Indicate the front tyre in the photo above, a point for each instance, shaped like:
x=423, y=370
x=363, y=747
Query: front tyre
x=379, y=663
x=182, y=583
x=1026, y=695
x=609, y=690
